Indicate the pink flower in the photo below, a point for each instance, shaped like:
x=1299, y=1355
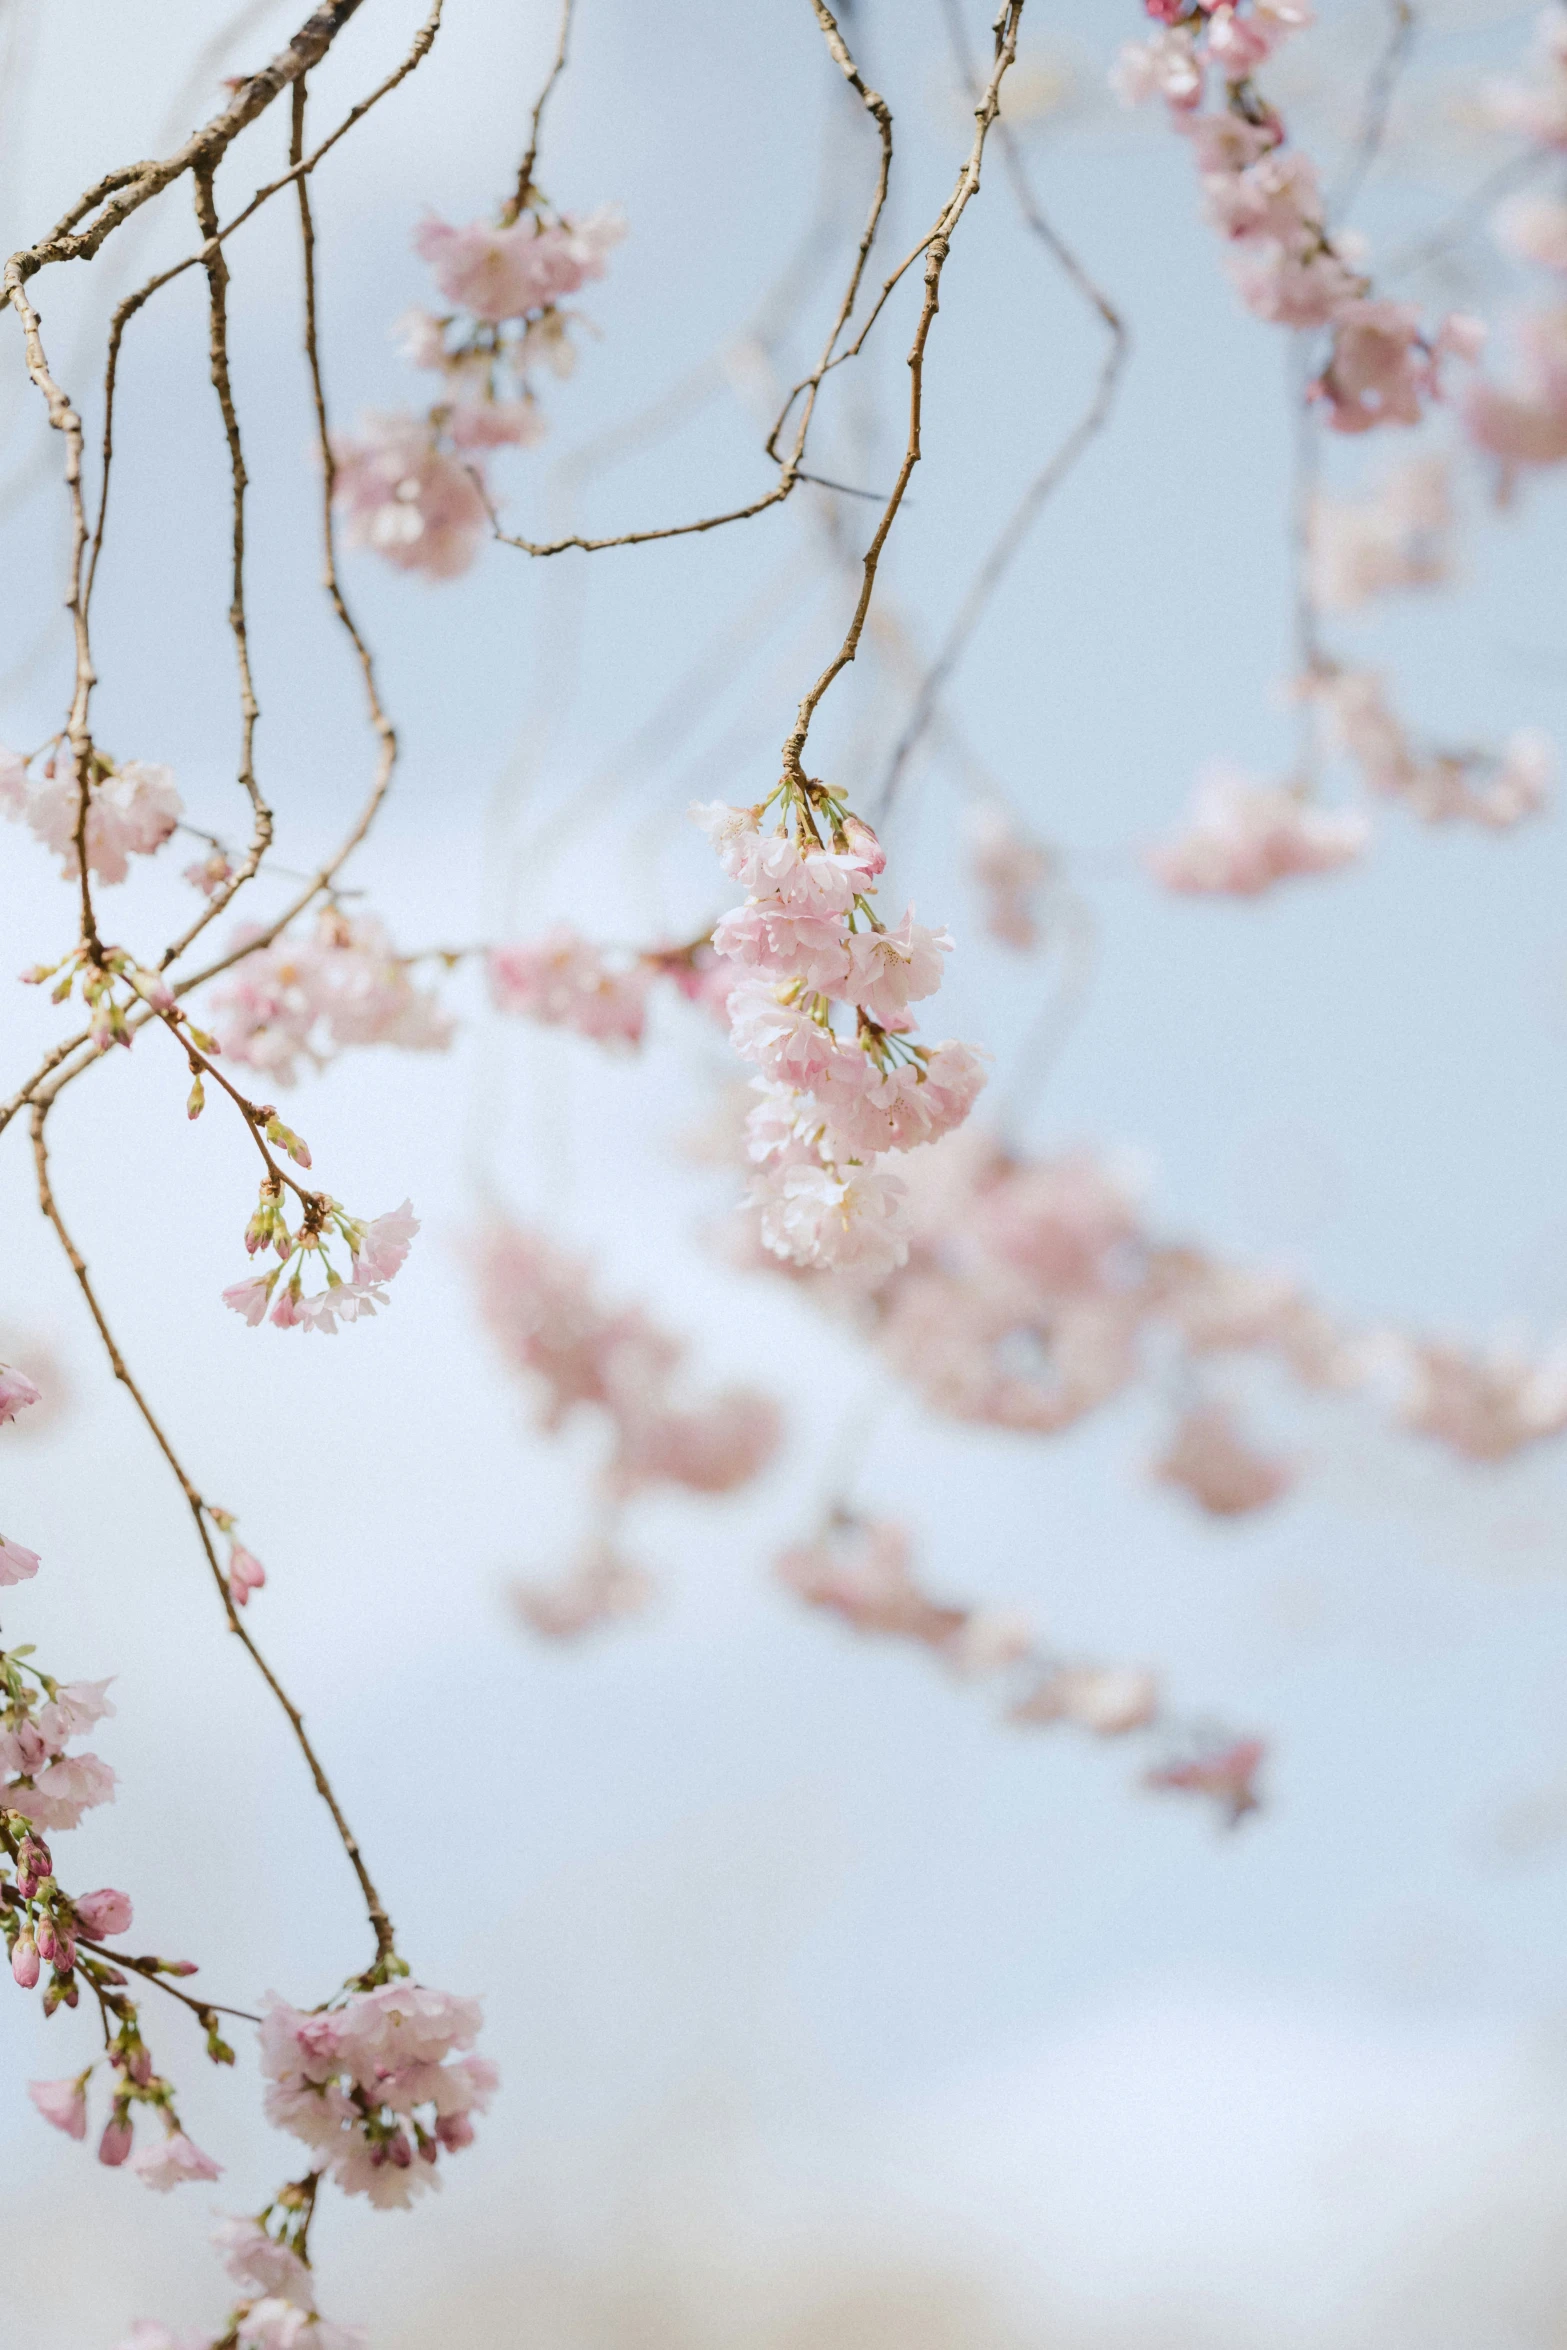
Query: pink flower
x=599, y=1589
x=1483, y=1407
x=62, y=2103
x=384, y=1248
x=261, y=2265
x=1289, y=288
x=16, y=1392
x=1535, y=228
x=1165, y=66
x=16, y=1564
x=710, y=1450
x=891, y=969
x=1109, y=1700
x=308, y=997
x=1227, y=1773
x=860, y=1570
x=13, y=783
x=1245, y=837
x=496, y=424
x=788, y=1043
x=130, y=812
x=498, y=273
x=1211, y=1460
x=63, y=1790
x=171, y=2161
x=852, y=1223
x=405, y=499
x=1010, y=867
x=24, y=1961
x=1380, y=370
x=246, y=1574
x=250, y=1300
x=210, y=873
x=1527, y=423
x=1396, y=538
x=758, y=861
x=104, y=1912
x=564, y=981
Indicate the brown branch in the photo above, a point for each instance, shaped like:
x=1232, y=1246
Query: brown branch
x=217, y=283
x=936, y=247
x=200, y=1514
x=809, y=386
x=524, y=188
x=1061, y=462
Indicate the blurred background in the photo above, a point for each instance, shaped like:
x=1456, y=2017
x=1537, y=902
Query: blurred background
x=829, y=2010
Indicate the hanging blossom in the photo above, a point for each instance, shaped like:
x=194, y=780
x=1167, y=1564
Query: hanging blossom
x=1211, y=1459
x=54, y=1938
x=371, y=2085
x=1010, y=868
x=1265, y=199
x=836, y=1104
x=563, y=980
x=268, y=2259
x=377, y=1250
x=1243, y=837
x=1036, y=1291
x=412, y=488
x=1440, y=786
x=860, y=1570
x=305, y=999
x=1522, y=422
x=17, y=1393
x=1397, y=536
x=599, y=1588
x=539, y=1306
x=1484, y=1406
x=131, y=809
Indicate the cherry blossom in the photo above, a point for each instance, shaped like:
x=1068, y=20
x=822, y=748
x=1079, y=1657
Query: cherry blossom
x=1437, y=786
x=1010, y=868
x=1244, y=837
x=245, y=1575
x=304, y=999
x=1227, y=1773
x=1209, y=1458
x=499, y=273
x=405, y=499
x=105, y=1912
x=354, y=2081
x=852, y=1222
x=563, y=981
x=173, y=2161
x=131, y=809
x=1483, y=1407
x=1110, y=1700
x=62, y=2103
x=1524, y=423
x=1395, y=538
x=17, y=1564
x=599, y=1589
x=16, y=1392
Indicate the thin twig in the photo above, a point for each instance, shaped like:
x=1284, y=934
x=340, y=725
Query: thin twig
x=936, y=247
x=1375, y=110
x=1056, y=468
x=524, y=188
x=380, y=1923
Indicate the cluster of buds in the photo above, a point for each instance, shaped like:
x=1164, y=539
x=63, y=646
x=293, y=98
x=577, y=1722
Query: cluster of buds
x=98, y=971
x=376, y=1251
x=245, y=1571
x=131, y=809
x=836, y=1100
x=412, y=487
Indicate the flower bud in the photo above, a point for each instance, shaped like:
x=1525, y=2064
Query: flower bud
x=115, y=2143
x=24, y=1961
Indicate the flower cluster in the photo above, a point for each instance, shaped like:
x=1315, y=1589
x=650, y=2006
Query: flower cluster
x=412, y=488
x=1524, y=422
x=539, y=1306
x=835, y=1106
x=270, y=2264
x=131, y=809
x=370, y=2084
x=1397, y=537
x=563, y=980
x=44, y=1790
x=599, y=1588
x=376, y=1251
x=860, y=1570
x=1439, y=786
x=1484, y=1407
x=1244, y=837
x=306, y=999
x=1011, y=868
x=112, y=983
x=1265, y=199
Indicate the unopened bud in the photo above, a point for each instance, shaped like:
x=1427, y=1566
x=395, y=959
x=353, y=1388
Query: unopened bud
x=116, y=2141
x=24, y=1961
